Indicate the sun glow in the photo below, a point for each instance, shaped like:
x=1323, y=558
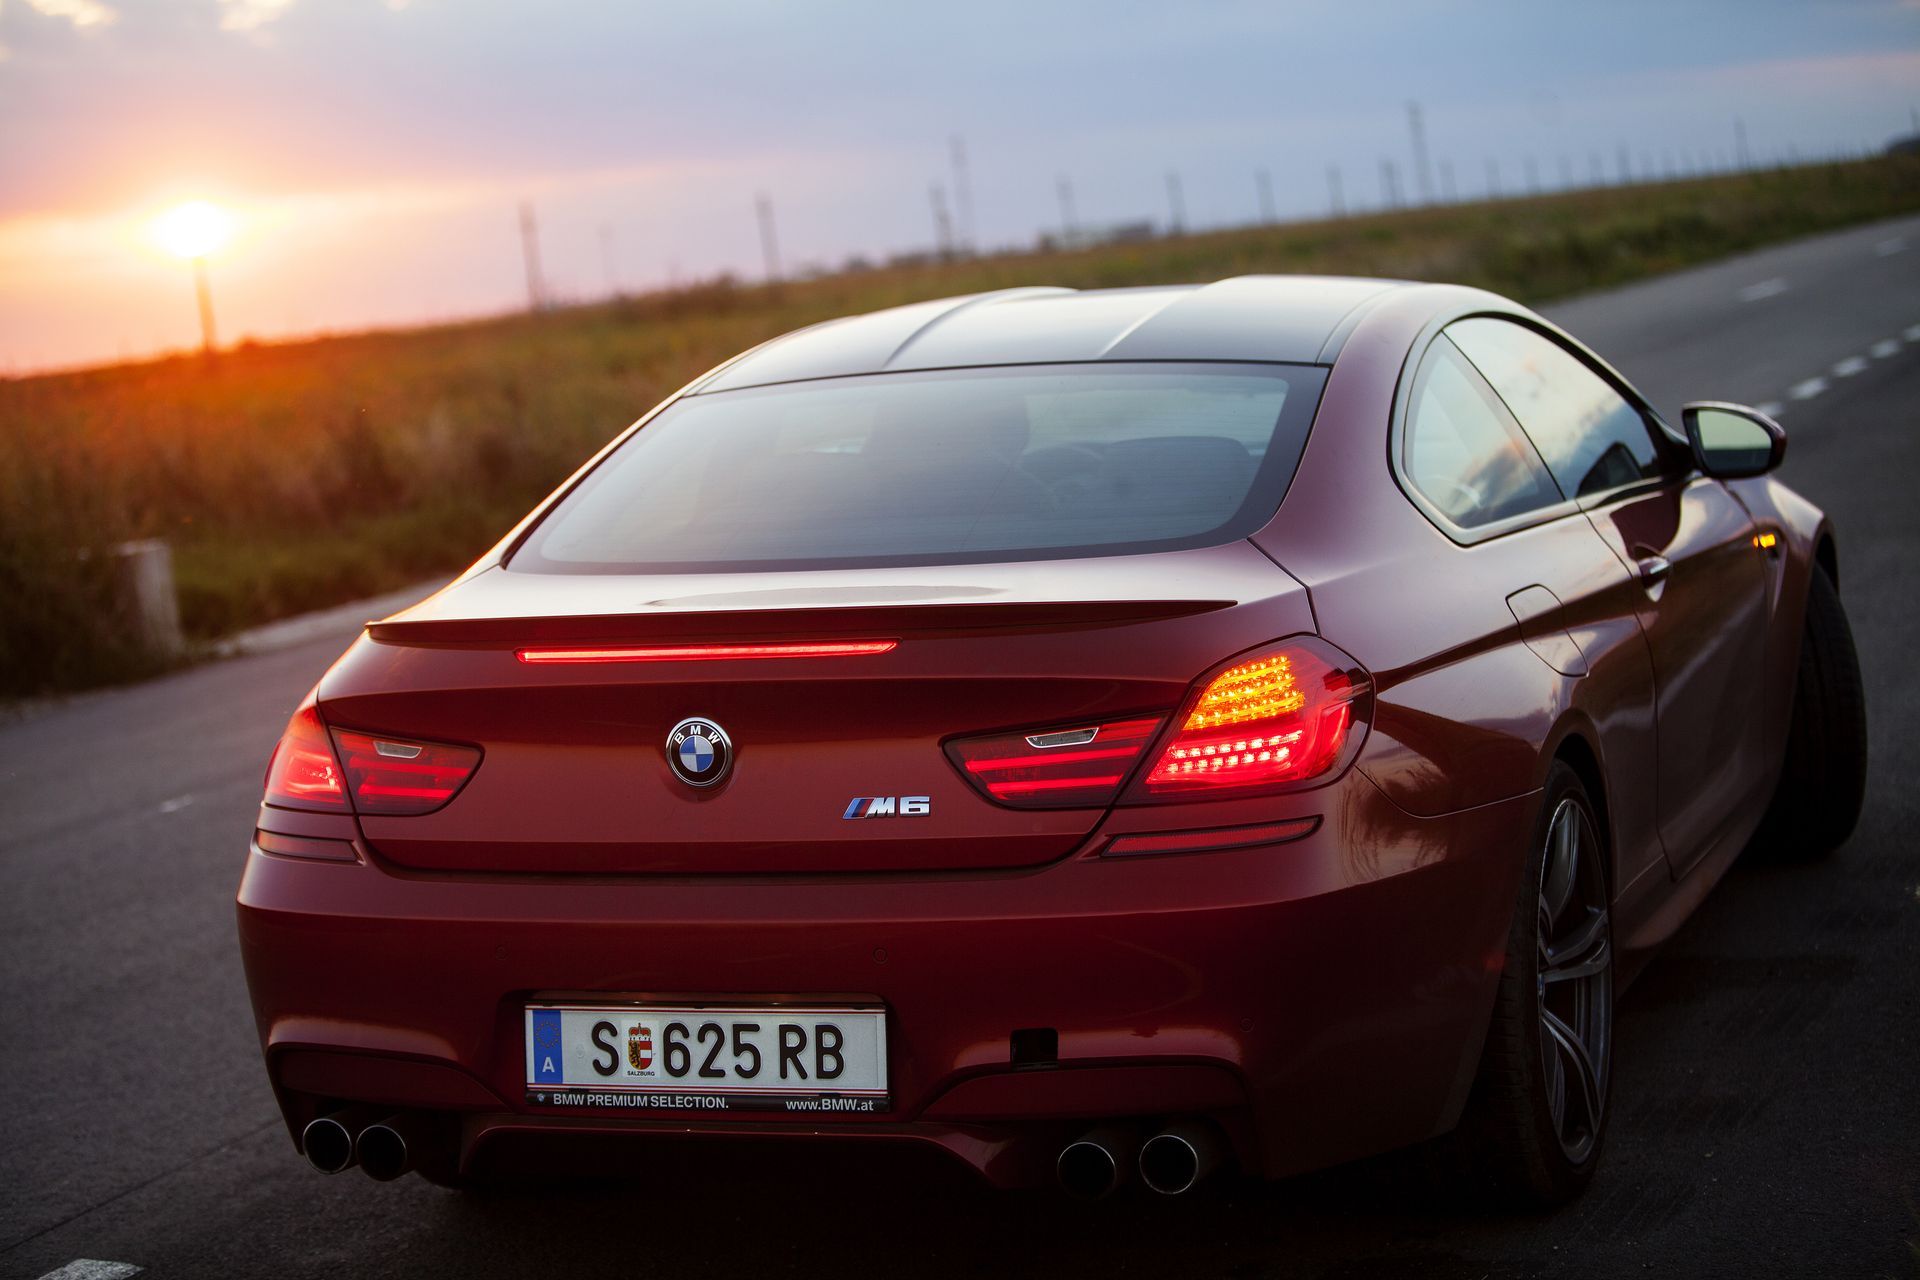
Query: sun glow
x=194, y=229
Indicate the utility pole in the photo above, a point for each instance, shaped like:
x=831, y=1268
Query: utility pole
x=1336, y=201
x=606, y=260
x=1176, y=205
x=1389, y=185
x=530, y=250
x=203, y=289
x=769, y=246
x=1069, y=222
x=962, y=193
x=1420, y=171
x=1740, y=155
x=1263, y=183
x=942, y=221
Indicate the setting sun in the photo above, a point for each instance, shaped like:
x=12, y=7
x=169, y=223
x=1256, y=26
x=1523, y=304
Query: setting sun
x=194, y=229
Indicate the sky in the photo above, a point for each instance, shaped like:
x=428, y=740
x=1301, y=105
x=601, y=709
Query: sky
x=375, y=153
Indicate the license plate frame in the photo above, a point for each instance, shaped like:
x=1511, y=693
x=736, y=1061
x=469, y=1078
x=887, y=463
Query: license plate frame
x=615, y=1055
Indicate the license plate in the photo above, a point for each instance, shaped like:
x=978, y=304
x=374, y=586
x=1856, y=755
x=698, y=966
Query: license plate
x=707, y=1058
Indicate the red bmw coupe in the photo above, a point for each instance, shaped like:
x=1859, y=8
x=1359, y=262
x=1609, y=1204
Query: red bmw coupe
x=1099, y=735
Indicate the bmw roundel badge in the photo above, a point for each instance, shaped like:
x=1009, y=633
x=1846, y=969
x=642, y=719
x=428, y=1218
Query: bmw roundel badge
x=699, y=752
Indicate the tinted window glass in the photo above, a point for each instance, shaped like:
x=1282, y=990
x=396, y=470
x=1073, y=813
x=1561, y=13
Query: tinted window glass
x=940, y=468
x=1592, y=438
x=1462, y=450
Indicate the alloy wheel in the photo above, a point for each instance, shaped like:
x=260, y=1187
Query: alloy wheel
x=1575, y=979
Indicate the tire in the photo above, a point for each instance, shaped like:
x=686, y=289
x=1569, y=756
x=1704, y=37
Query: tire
x=1537, y=1115
x=1823, y=781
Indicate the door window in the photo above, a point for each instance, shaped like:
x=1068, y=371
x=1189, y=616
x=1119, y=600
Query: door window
x=1592, y=438
x=1462, y=450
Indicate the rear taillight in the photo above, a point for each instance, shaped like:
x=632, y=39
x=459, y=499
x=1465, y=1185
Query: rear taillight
x=303, y=773
x=393, y=776
x=348, y=771
x=1278, y=719
x=1075, y=767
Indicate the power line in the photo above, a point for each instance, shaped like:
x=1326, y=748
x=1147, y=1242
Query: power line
x=607, y=260
x=1069, y=222
x=962, y=192
x=942, y=220
x=530, y=252
x=1419, y=129
x=769, y=246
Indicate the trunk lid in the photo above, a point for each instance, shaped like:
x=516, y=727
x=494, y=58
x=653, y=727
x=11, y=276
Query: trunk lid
x=575, y=779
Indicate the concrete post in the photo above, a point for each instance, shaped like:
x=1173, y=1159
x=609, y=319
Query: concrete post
x=143, y=583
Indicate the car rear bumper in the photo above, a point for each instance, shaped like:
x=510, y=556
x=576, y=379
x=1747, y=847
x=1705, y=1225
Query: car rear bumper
x=1321, y=999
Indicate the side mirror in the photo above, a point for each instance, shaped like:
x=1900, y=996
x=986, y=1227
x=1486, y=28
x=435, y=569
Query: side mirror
x=1731, y=441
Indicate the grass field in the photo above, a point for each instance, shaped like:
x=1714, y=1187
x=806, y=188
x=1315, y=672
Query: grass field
x=289, y=477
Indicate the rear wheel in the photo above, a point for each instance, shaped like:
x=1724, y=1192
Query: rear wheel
x=1824, y=779
x=1538, y=1111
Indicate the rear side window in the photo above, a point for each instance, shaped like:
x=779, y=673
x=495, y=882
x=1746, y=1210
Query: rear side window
x=948, y=467
x=1592, y=439
x=1463, y=452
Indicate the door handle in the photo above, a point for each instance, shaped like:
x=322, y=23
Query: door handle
x=1654, y=571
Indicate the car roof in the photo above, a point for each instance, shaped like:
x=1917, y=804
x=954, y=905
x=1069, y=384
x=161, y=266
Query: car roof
x=1290, y=319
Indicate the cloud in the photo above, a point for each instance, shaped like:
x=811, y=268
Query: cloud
x=248, y=15
x=81, y=13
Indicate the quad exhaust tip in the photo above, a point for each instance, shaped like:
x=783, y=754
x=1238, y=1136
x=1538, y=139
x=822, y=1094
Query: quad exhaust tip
x=1096, y=1163
x=383, y=1151
x=328, y=1143
x=1174, y=1160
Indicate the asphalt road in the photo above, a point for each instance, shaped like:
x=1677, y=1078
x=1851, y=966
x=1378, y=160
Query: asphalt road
x=1768, y=1083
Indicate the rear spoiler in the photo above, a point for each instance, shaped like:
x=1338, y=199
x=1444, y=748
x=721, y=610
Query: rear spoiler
x=973, y=618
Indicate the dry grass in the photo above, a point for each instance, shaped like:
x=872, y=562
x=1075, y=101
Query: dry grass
x=289, y=477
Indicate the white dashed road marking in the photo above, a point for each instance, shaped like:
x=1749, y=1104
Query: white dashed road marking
x=1887, y=248
x=1765, y=289
x=93, y=1269
x=176, y=804
x=1881, y=350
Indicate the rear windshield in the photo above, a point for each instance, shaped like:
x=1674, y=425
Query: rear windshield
x=949, y=467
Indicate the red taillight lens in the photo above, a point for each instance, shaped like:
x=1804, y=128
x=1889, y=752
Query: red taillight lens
x=1075, y=767
x=303, y=773
x=1274, y=720
x=393, y=776
x=382, y=775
